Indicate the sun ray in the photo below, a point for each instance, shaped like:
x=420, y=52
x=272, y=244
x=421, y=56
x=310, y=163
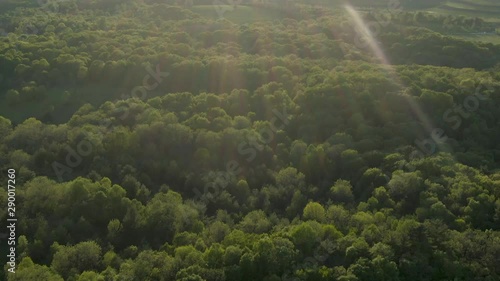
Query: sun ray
x=371, y=41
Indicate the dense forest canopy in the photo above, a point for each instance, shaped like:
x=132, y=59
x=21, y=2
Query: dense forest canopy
x=250, y=140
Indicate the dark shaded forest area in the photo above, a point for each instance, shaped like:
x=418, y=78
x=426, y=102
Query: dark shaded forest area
x=152, y=142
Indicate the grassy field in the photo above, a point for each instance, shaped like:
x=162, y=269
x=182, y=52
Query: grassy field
x=477, y=8
x=487, y=9
x=495, y=39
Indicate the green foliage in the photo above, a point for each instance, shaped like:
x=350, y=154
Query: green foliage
x=342, y=192
x=70, y=260
x=29, y=271
x=271, y=150
x=255, y=222
x=314, y=211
